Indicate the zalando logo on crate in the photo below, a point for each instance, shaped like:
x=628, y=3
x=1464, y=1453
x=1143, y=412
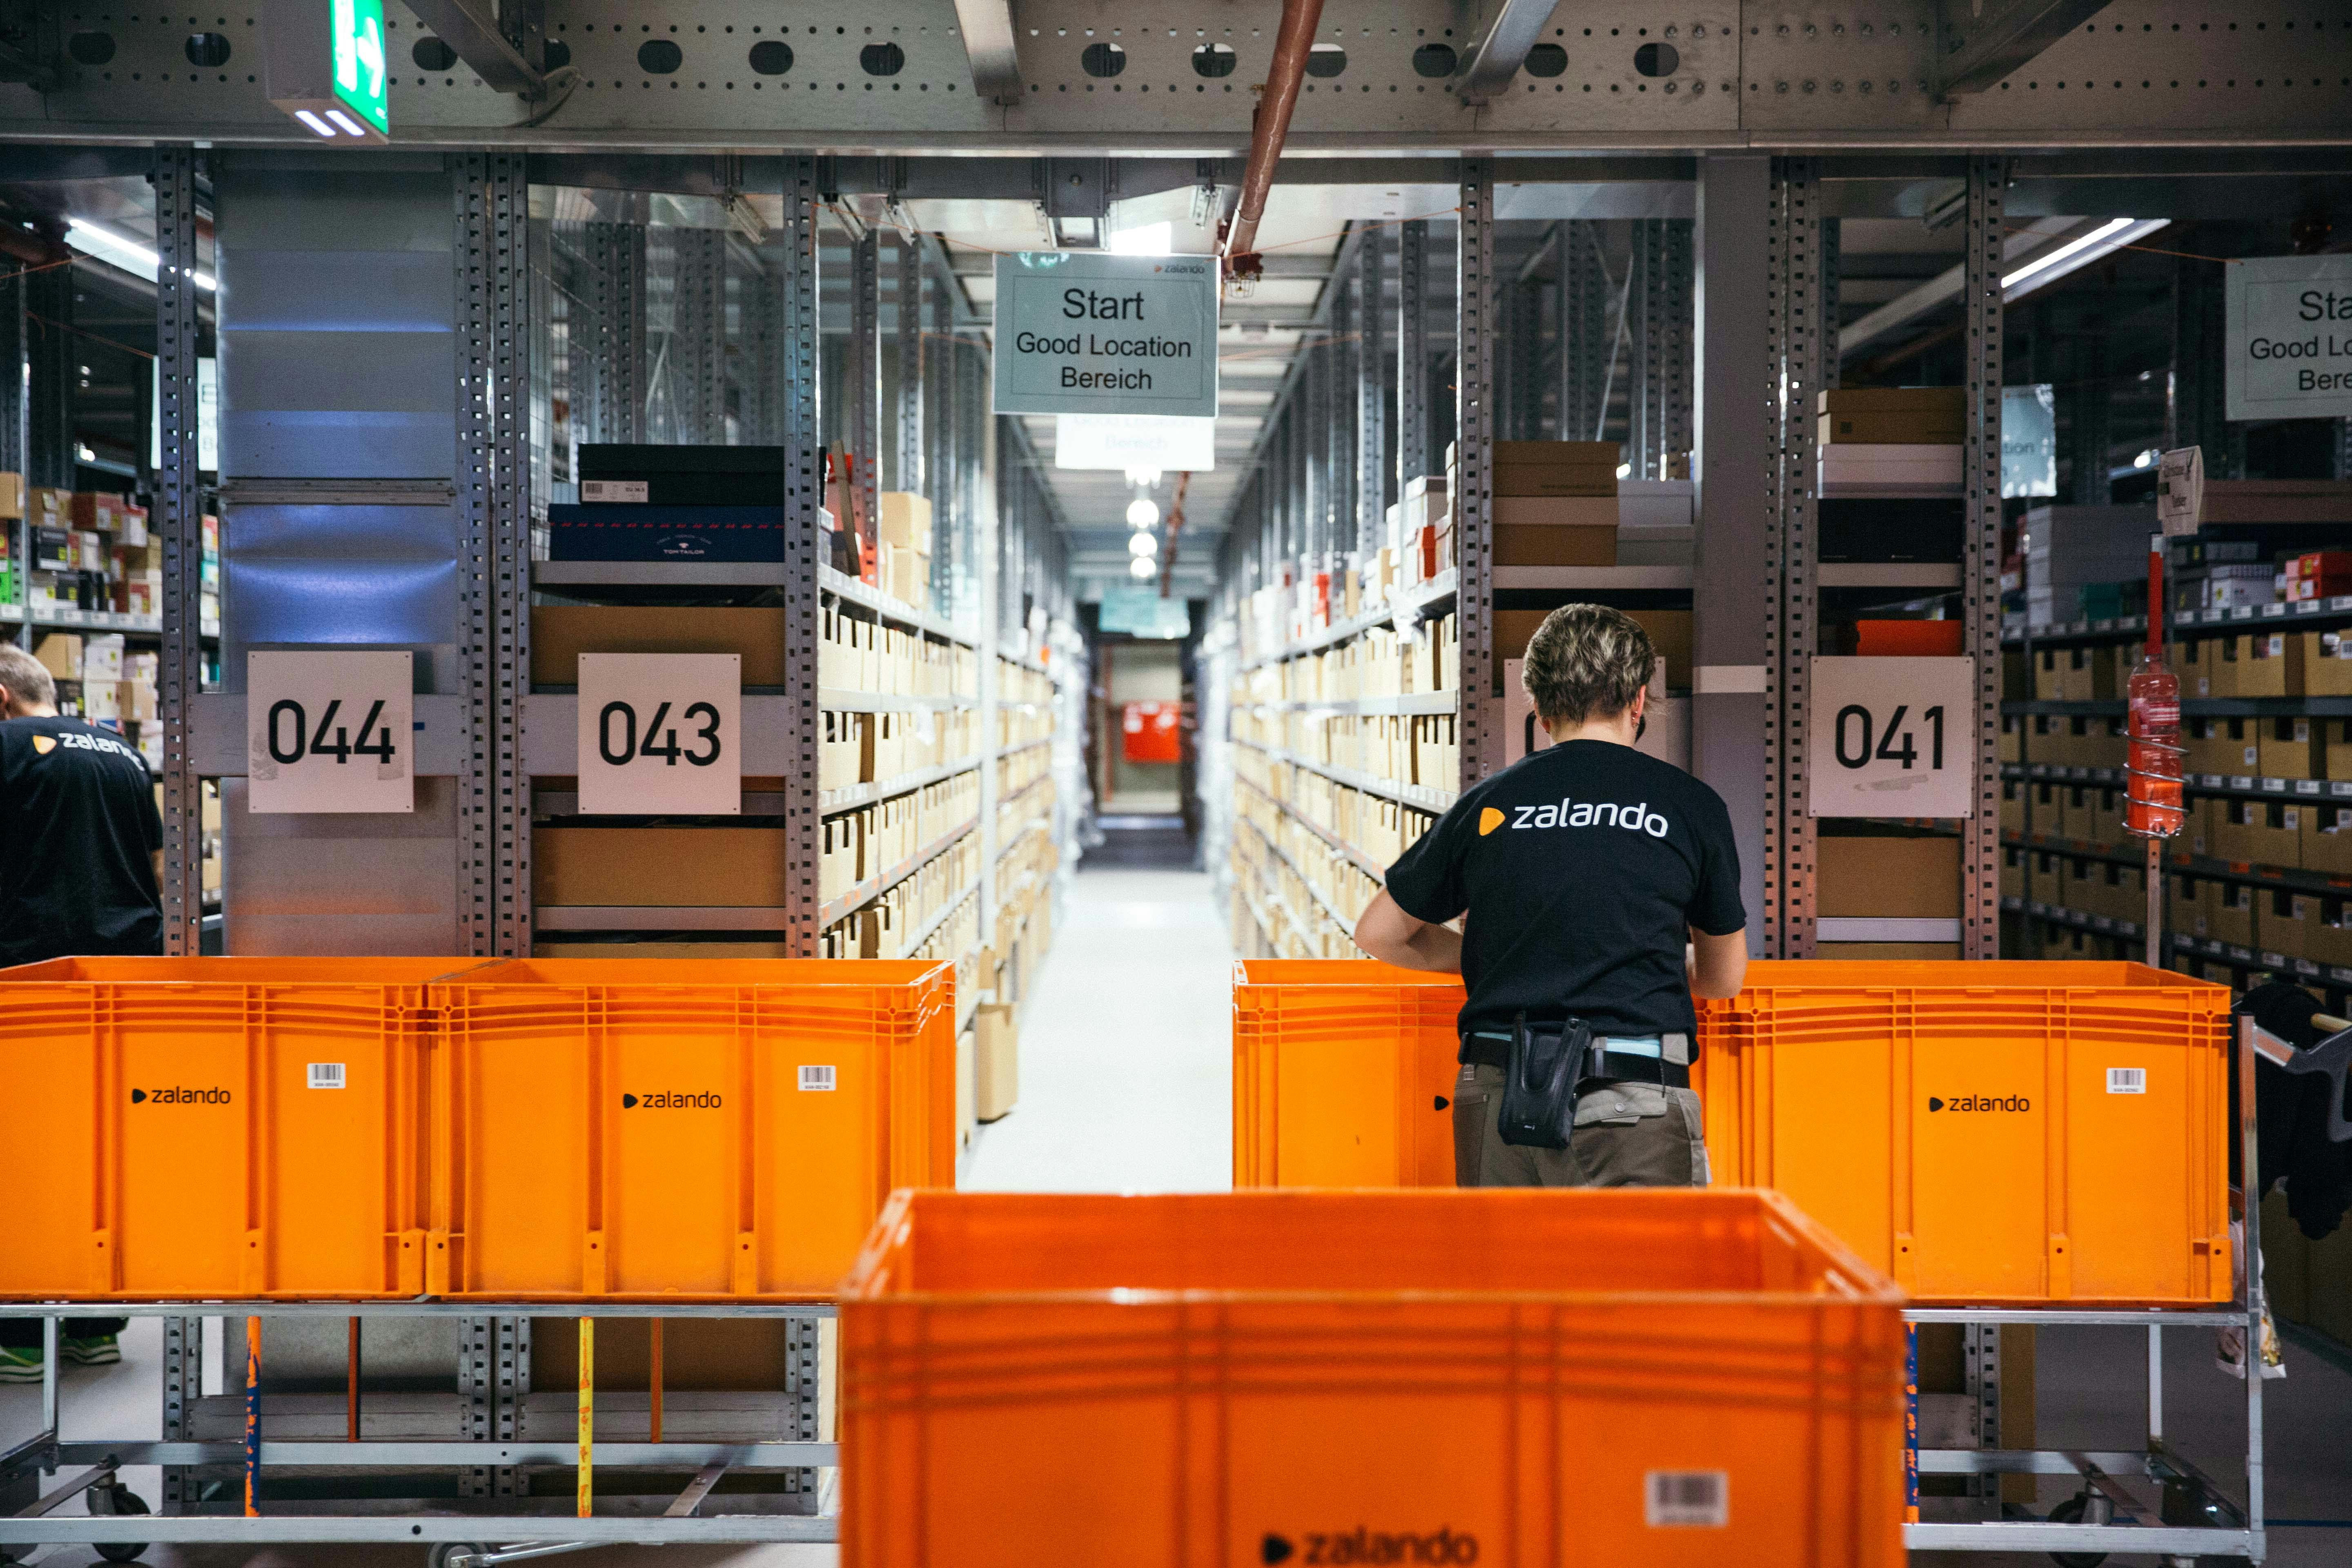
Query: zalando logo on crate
x=1361, y=1546
x=672, y=1100
x=181, y=1096
x=1980, y=1103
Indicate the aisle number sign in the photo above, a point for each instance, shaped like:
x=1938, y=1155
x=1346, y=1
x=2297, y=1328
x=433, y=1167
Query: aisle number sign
x=661, y=734
x=1085, y=332
x=330, y=732
x=1893, y=737
x=2289, y=337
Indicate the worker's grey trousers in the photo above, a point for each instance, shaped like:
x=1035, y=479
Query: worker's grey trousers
x=1627, y=1135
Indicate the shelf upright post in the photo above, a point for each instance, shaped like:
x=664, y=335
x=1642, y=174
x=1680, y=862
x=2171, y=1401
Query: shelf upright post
x=615, y=353
x=1832, y=281
x=864, y=388
x=1582, y=313
x=48, y=441
x=1793, y=314
x=1372, y=396
x=12, y=445
x=1481, y=731
x=697, y=337
x=1646, y=308
x=1672, y=371
x=1413, y=353
x=178, y=525
x=1981, y=558
x=796, y=281
x=1735, y=463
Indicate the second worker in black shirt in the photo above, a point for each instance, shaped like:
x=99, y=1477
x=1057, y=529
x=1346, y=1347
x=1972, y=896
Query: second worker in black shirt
x=1599, y=884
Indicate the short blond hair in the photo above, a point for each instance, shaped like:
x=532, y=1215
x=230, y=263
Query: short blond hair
x=1586, y=660
x=27, y=678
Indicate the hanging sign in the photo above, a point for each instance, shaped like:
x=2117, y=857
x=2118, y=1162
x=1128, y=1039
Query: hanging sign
x=1893, y=737
x=2289, y=338
x=330, y=732
x=1084, y=333
x=661, y=734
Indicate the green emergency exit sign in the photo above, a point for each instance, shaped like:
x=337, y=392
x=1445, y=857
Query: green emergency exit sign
x=326, y=64
x=356, y=28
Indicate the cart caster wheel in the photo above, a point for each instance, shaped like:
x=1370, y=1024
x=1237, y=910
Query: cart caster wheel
x=2083, y=1507
x=117, y=1500
x=446, y=1549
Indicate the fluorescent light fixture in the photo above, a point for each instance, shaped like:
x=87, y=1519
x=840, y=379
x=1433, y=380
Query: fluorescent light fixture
x=1142, y=512
x=121, y=250
x=314, y=122
x=2078, y=252
x=350, y=126
x=1143, y=545
x=1144, y=240
x=1140, y=568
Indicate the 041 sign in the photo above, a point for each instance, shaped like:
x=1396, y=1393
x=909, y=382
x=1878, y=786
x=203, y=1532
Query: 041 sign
x=661, y=734
x=1892, y=737
x=330, y=732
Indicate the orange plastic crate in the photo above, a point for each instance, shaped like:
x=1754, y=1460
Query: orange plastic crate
x=1343, y=1074
x=171, y=1142
x=690, y=1128
x=1503, y=1378
x=1957, y=1124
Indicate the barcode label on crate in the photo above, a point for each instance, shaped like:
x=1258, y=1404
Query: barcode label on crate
x=2126, y=1080
x=1688, y=1500
x=326, y=1075
x=816, y=1079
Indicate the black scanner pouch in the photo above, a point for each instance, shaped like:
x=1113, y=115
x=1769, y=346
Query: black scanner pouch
x=1538, y=1109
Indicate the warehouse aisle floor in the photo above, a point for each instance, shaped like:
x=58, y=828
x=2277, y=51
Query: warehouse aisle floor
x=1126, y=1082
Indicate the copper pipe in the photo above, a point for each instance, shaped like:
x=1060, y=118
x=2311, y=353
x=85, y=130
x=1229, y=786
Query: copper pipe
x=1175, y=524
x=1270, y=124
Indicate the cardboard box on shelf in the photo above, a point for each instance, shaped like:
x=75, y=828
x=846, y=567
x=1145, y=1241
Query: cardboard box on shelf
x=906, y=521
x=2318, y=574
x=1555, y=511
x=559, y=634
x=2263, y=664
x=1906, y=876
x=12, y=497
x=2230, y=913
x=906, y=575
x=1949, y=401
x=2235, y=836
x=2328, y=839
x=49, y=506
x=1542, y=545
x=2275, y=500
x=1890, y=430
x=2280, y=918
x=996, y=1065
x=2327, y=664
x=60, y=653
x=657, y=867
x=2287, y=748
x=1907, y=638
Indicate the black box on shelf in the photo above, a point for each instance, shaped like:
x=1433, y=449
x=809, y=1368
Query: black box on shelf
x=1891, y=529
x=612, y=474
x=626, y=532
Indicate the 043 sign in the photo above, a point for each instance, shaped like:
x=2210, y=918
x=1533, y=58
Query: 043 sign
x=327, y=731
x=1893, y=737
x=661, y=734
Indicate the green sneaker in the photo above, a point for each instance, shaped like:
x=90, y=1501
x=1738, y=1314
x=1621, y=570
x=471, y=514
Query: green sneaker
x=20, y=1364
x=96, y=1350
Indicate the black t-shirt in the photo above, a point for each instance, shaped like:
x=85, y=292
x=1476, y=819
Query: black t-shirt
x=1579, y=866
x=78, y=830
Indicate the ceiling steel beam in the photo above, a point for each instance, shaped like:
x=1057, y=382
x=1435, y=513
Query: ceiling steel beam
x=1978, y=44
x=469, y=27
x=1500, y=54
x=988, y=35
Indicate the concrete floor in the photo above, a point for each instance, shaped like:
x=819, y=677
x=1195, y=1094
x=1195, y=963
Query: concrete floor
x=1124, y=1087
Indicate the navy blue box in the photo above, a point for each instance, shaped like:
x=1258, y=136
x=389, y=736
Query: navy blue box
x=666, y=532
x=682, y=475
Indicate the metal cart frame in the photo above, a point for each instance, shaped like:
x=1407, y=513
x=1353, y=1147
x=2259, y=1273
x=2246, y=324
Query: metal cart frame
x=458, y=1537
x=2235, y=1532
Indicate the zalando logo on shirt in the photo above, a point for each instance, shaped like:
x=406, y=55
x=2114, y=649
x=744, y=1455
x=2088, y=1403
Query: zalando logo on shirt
x=1635, y=818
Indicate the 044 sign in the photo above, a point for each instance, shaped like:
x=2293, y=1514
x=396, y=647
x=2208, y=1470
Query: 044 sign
x=330, y=732
x=660, y=733
x=1892, y=737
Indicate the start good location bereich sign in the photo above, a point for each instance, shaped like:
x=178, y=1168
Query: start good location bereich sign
x=1085, y=332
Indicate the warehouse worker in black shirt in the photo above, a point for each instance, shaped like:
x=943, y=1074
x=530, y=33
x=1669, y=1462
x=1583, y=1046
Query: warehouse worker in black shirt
x=1599, y=884
x=80, y=868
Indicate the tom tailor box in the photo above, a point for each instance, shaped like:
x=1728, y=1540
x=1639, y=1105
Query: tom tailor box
x=626, y=532
x=681, y=476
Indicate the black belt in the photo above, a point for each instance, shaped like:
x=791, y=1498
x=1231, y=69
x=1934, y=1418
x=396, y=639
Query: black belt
x=1619, y=1066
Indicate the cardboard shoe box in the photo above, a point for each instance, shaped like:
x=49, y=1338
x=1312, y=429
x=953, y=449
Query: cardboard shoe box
x=1906, y=876
x=1555, y=468
x=2262, y=664
x=559, y=634
x=2286, y=747
x=659, y=866
x=2327, y=664
x=906, y=521
x=1904, y=416
x=996, y=1052
x=2328, y=839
